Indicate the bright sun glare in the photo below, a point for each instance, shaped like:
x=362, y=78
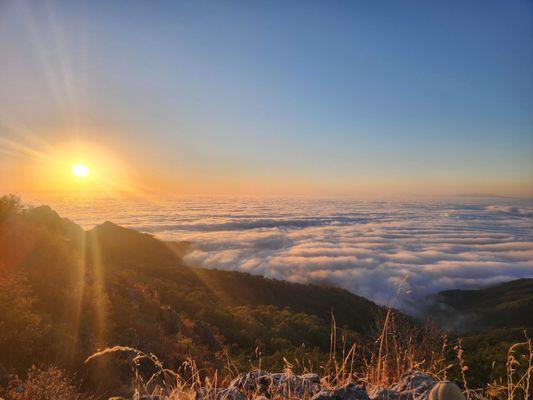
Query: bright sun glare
x=80, y=170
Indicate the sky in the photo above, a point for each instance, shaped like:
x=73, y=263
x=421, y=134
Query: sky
x=359, y=98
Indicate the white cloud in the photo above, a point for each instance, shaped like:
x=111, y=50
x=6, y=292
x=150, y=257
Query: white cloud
x=365, y=247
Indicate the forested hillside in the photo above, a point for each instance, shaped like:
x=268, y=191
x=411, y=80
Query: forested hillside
x=490, y=320
x=503, y=306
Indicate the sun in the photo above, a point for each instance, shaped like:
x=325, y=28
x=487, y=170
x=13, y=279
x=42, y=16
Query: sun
x=80, y=170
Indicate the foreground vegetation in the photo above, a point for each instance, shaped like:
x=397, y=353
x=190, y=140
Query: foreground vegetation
x=65, y=294
x=401, y=353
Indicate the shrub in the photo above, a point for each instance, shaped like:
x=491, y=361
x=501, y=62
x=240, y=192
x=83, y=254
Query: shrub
x=49, y=383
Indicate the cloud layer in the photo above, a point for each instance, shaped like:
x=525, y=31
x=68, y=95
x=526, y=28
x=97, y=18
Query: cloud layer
x=369, y=248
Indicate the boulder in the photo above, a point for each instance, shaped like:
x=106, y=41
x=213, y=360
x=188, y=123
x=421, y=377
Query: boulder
x=290, y=385
x=279, y=384
x=384, y=394
x=313, y=378
x=219, y=394
x=446, y=391
x=252, y=381
x=347, y=392
x=414, y=385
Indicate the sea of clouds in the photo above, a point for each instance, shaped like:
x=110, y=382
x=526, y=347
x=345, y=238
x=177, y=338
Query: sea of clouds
x=374, y=249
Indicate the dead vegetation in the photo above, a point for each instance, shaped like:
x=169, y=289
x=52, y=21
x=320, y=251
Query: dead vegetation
x=399, y=347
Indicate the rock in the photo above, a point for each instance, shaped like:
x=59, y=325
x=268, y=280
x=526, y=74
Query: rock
x=414, y=385
x=252, y=381
x=279, y=384
x=314, y=378
x=220, y=394
x=384, y=394
x=347, y=392
x=446, y=391
x=289, y=385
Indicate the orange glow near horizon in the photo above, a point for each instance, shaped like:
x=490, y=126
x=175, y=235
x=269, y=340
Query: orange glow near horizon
x=70, y=165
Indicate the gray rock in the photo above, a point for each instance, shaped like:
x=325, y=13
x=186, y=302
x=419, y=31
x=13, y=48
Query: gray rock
x=314, y=378
x=252, y=381
x=279, y=384
x=347, y=392
x=384, y=394
x=414, y=385
x=289, y=385
x=219, y=394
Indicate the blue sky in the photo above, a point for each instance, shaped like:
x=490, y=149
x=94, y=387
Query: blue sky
x=274, y=97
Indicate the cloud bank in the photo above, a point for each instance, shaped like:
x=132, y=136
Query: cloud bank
x=369, y=248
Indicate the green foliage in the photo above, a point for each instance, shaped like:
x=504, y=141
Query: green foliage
x=21, y=327
x=503, y=306
x=486, y=354
x=490, y=320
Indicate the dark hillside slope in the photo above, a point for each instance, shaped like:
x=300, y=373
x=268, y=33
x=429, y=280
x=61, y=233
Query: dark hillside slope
x=237, y=288
x=503, y=306
x=123, y=246
x=127, y=248
x=490, y=320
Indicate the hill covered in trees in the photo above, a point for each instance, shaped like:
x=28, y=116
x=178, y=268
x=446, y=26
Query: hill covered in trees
x=503, y=306
x=490, y=320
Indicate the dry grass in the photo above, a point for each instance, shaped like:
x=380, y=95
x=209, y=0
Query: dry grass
x=402, y=346
x=399, y=347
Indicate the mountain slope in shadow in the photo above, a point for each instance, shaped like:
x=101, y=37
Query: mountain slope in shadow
x=503, y=306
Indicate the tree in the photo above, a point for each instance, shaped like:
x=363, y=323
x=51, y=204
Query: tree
x=10, y=204
x=21, y=328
